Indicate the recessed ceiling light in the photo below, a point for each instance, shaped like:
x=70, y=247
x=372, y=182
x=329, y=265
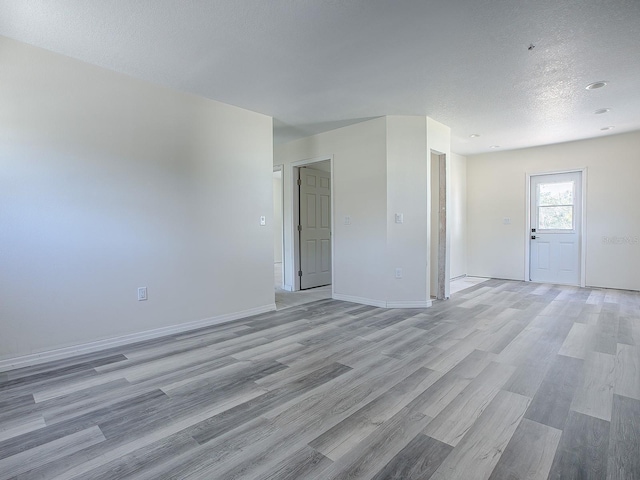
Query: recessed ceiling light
x=610, y=127
x=595, y=85
x=474, y=135
x=494, y=146
x=600, y=111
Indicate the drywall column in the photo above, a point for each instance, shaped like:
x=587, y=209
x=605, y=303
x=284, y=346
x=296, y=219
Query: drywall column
x=407, y=191
x=380, y=169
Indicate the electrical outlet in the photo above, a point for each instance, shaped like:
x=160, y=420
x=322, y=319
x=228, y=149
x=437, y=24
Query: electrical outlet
x=347, y=220
x=142, y=293
x=398, y=273
x=263, y=220
x=399, y=218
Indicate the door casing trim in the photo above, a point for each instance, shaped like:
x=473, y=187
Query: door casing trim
x=294, y=257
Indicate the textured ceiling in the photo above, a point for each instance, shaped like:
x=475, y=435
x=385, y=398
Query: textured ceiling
x=315, y=65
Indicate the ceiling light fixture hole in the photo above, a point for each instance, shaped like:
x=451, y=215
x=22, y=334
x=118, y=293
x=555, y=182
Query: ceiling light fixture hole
x=596, y=85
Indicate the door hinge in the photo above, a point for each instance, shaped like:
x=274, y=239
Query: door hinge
x=299, y=228
x=299, y=273
x=299, y=182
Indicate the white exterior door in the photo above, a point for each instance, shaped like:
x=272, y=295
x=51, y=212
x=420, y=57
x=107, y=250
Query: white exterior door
x=556, y=229
x=315, y=228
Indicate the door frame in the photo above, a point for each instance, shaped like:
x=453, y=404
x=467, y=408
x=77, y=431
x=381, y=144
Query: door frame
x=583, y=222
x=439, y=186
x=293, y=259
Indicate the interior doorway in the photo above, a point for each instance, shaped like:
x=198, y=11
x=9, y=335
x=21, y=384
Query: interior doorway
x=312, y=224
x=278, y=228
x=555, y=236
x=438, y=247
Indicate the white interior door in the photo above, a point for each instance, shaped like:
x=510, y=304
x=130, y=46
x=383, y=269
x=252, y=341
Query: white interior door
x=556, y=229
x=315, y=228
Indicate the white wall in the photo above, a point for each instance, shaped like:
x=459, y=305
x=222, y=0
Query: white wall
x=108, y=183
x=359, y=191
x=323, y=166
x=458, y=212
x=496, y=189
x=277, y=216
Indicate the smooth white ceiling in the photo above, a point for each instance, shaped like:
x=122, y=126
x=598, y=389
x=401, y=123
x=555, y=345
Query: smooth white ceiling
x=315, y=65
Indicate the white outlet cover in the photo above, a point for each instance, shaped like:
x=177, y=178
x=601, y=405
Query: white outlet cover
x=263, y=220
x=398, y=273
x=506, y=221
x=347, y=220
x=399, y=218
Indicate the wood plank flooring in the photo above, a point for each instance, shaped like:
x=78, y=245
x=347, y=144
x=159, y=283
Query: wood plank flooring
x=506, y=380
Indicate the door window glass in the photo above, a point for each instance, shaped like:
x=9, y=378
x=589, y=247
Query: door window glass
x=555, y=206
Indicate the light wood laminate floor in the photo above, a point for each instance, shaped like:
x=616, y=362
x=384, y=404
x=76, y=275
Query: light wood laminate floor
x=507, y=380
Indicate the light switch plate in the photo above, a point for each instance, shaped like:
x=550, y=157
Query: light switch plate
x=142, y=293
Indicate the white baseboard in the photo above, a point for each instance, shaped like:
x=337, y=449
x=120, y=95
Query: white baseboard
x=382, y=303
x=364, y=301
x=67, y=352
x=411, y=304
x=458, y=277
